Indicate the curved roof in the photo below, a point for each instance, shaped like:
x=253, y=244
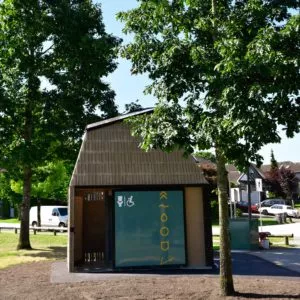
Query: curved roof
x=110, y=156
x=118, y=118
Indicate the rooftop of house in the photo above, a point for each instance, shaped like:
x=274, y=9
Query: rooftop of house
x=234, y=174
x=294, y=166
x=118, y=118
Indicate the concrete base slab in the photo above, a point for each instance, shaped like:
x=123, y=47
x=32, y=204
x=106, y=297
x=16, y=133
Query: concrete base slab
x=60, y=274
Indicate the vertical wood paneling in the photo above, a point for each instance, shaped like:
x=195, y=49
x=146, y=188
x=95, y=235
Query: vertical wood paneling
x=195, y=227
x=78, y=205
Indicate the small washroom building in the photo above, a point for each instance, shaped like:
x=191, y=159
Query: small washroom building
x=134, y=209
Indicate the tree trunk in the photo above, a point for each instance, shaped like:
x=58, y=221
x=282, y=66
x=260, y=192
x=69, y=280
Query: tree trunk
x=24, y=242
x=226, y=279
x=39, y=212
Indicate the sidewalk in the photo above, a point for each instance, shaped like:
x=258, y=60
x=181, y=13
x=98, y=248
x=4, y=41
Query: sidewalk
x=285, y=257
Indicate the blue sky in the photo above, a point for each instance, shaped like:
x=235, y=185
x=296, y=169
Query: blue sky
x=129, y=88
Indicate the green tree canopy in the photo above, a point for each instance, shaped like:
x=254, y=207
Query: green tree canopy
x=205, y=155
x=274, y=164
x=236, y=72
x=226, y=74
x=53, y=56
x=50, y=181
x=6, y=193
x=133, y=106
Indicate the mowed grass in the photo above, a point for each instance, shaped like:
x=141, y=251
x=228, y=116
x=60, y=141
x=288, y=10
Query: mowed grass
x=10, y=220
x=275, y=242
x=267, y=221
x=45, y=246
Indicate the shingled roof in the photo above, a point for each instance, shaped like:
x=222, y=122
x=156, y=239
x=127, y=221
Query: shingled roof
x=293, y=166
x=110, y=156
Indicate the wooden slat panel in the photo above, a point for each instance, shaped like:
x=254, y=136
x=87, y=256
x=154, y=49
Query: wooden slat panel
x=78, y=207
x=94, y=230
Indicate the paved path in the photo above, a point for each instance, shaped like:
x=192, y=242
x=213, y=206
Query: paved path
x=285, y=257
x=288, y=258
x=263, y=264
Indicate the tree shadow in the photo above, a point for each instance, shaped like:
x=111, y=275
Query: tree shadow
x=264, y=296
x=49, y=253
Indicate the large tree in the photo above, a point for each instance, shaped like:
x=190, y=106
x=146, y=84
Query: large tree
x=49, y=181
x=226, y=74
x=53, y=56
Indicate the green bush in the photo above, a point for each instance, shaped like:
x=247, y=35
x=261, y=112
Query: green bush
x=239, y=213
x=214, y=210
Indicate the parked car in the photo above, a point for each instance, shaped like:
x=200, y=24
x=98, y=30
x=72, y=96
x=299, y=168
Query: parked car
x=243, y=206
x=270, y=202
x=280, y=209
x=50, y=216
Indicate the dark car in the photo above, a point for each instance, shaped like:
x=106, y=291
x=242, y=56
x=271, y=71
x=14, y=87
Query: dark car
x=243, y=206
x=270, y=202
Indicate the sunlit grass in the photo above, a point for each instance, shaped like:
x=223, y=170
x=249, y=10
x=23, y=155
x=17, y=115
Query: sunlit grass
x=10, y=220
x=267, y=221
x=275, y=242
x=44, y=247
x=216, y=243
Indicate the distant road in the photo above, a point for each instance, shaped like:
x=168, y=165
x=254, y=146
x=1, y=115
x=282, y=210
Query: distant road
x=290, y=228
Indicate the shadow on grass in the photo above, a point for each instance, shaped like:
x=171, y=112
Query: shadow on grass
x=266, y=296
x=50, y=253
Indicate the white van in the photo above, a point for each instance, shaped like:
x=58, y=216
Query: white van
x=51, y=216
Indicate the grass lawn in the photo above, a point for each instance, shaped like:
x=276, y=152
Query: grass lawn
x=45, y=247
x=275, y=242
x=265, y=221
x=10, y=220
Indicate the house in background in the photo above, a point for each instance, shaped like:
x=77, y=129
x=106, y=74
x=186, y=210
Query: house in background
x=237, y=181
x=240, y=180
x=243, y=183
x=134, y=209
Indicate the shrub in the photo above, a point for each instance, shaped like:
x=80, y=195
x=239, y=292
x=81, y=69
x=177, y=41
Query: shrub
x=214, y=210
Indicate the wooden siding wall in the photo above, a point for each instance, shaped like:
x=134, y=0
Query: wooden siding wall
x=110, y=156
x=195, y=236
x=78, y=218
x=89, y=224
x=70, y=250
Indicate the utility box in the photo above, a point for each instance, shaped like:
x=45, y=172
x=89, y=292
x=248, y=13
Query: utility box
x=244, y=234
